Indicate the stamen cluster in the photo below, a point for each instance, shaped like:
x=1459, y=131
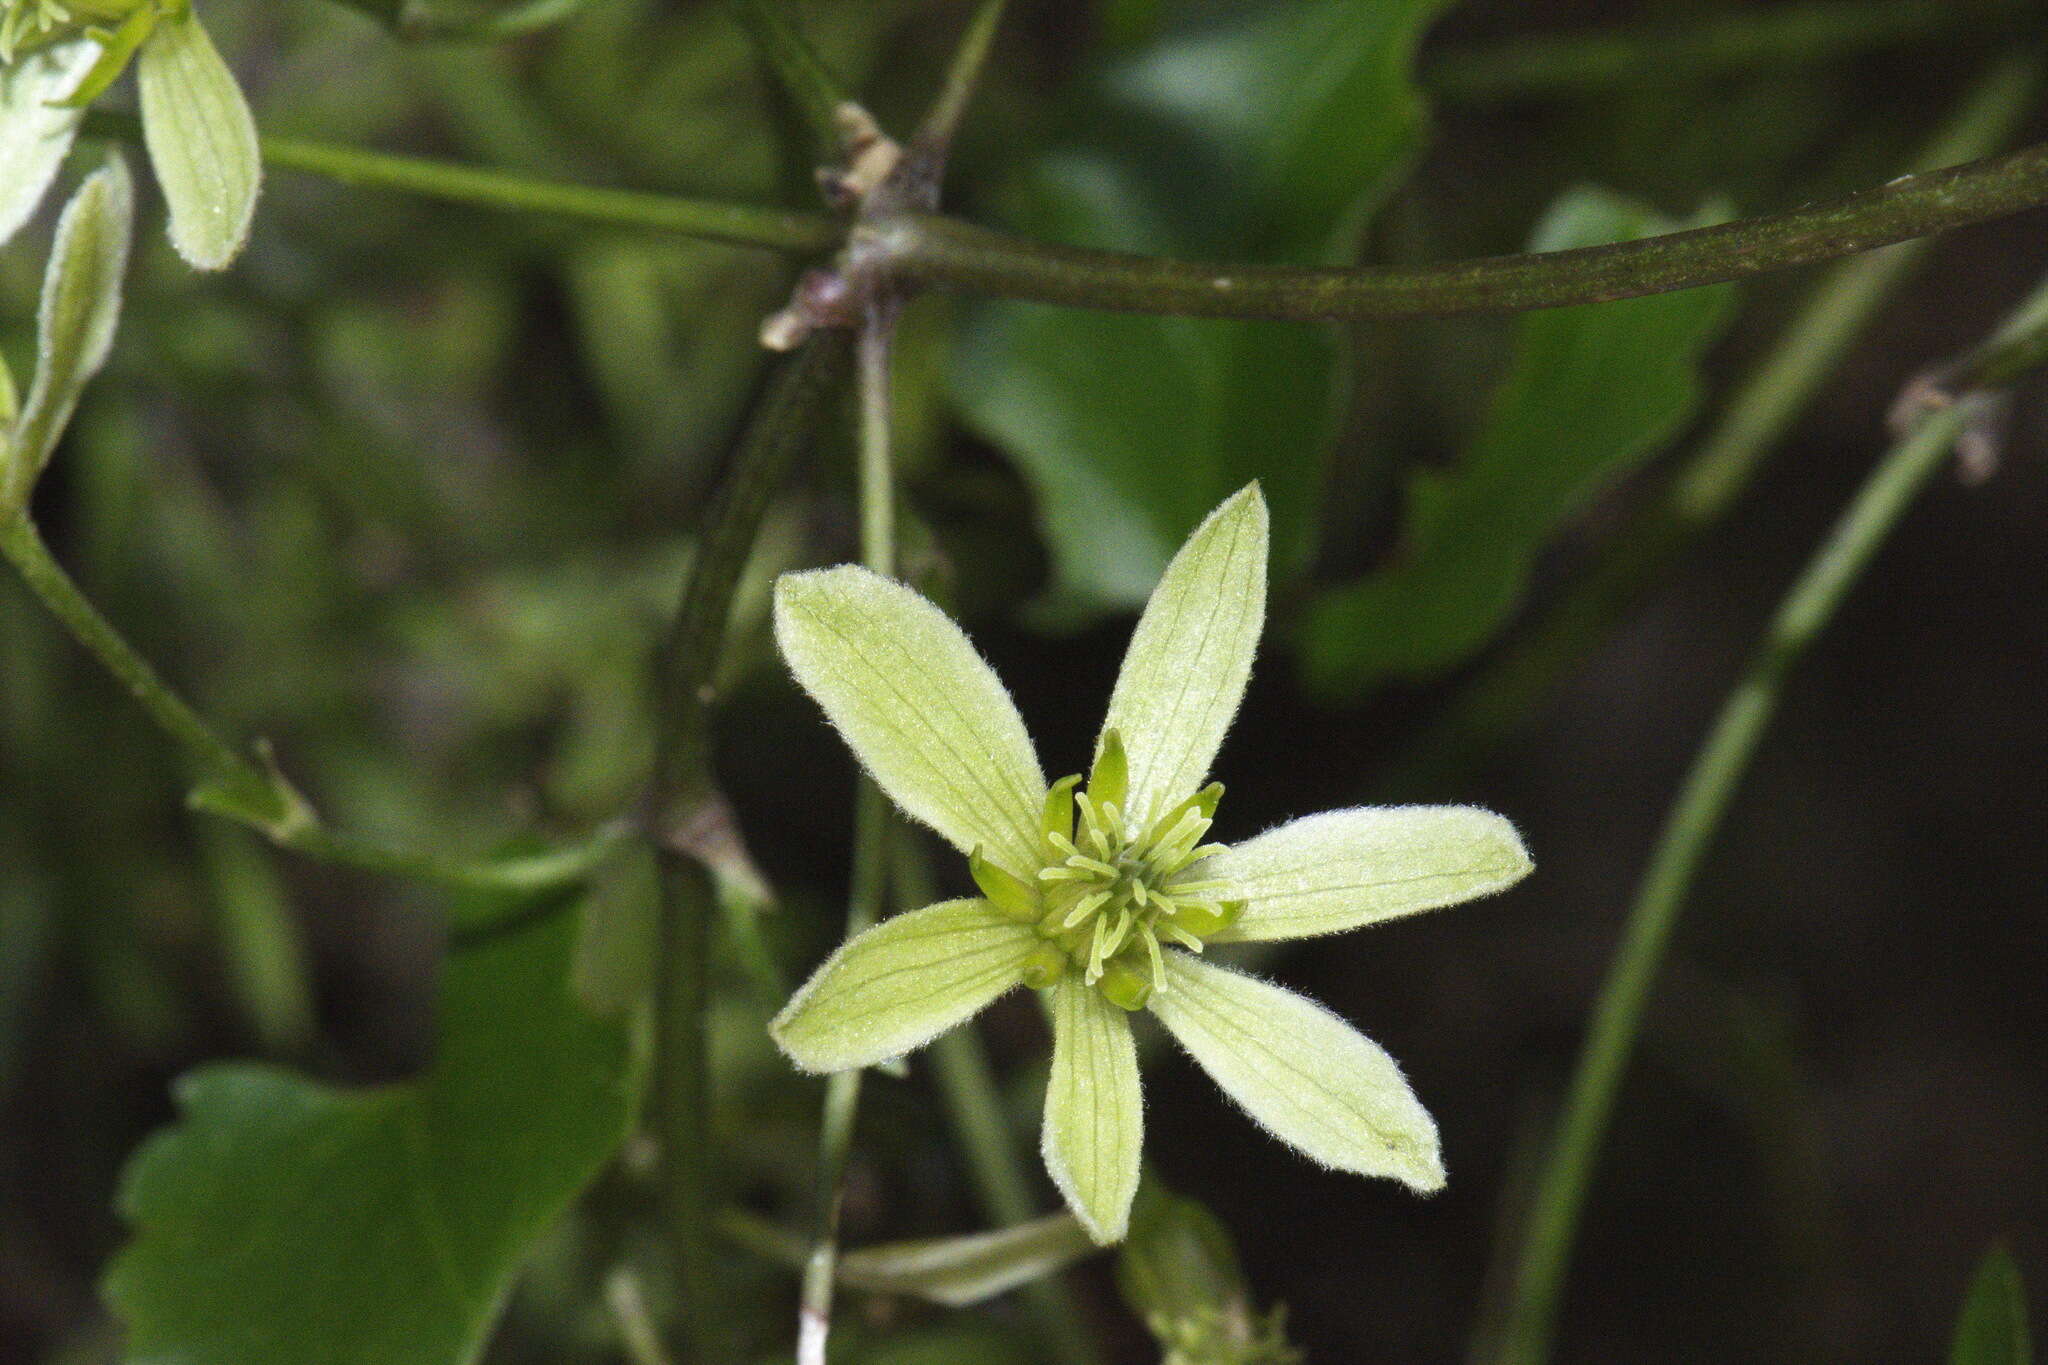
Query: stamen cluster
x=1110, y=891
x=29, y=24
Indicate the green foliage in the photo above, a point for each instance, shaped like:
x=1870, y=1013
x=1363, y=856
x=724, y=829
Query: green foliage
x=1992, y=1329
x=285, y=1222
x=202, y=141
x=1264, y=132
x=1589, y=394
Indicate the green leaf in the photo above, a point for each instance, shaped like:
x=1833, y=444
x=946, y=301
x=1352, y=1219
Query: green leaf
x=1094, y=1132
x=1190, y=657
x=202, y=141
x=918, y=707
x=1265, y=132
x=1303, y=1074
x=1590, y=394
x=35, y=129
x=1324, y=874
x=901, y=984
x=1992, y=1329
x=81, y=307
x=283, y=1222
x=961, y=1271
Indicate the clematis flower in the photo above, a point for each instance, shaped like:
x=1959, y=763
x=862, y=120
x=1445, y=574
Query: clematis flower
x=58, y=56
x=1107, y=896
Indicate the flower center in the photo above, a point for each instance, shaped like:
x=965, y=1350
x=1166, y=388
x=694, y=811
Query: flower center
x=1111, y=892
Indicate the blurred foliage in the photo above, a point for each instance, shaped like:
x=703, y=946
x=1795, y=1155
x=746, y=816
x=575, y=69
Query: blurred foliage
x=1179, y=1272
x=1589, y=393
x=410, y=490
x=1242, y=133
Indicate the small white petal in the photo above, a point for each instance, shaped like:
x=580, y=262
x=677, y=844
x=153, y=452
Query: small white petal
x=1094, y=1112
x=202, y=141
x=1344, y=868
x=1303, y=1074
x=35, y=130
x=1185, y=671
x=918, y=706
x=901, y=984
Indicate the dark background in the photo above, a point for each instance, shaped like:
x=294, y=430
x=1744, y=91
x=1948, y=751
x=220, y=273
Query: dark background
x=1841, y=1098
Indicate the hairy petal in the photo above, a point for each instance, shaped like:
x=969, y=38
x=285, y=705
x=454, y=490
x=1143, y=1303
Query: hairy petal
x=918, y=706
x=1094, y=1111
x=1188, y=661
x=901, y=984
x=202, y=141
x=36, y=128
x=1303, y=1074
x=1344, y=868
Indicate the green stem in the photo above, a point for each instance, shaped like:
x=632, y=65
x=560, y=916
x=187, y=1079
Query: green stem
x=946, y=253
x=234, y=786
x=871, y=837
x=810, y=84
x=1551, y=1228
x=1753, y=423
x=682, y=797
x=740, y=224
x=963, y=74
x=1742, y=42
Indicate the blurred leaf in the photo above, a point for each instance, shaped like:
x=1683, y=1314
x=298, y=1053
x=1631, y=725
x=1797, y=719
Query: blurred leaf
x=1993, y=1327
x=81, y=307
x=1266, y=132
x=282, y=1221
x=1589, y=394
x=1179, y=1272
x=202, y=141
x=959, y=1271
x=35, y=130
x=955, y=1271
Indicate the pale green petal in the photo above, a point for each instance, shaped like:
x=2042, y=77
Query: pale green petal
x=1303, y=1074
x=1185, y=670
x=1094, y=1113
x=901, y=984
x=202, y=141
x=918, y=706
x=80, y=308
x=1345, y=868
x=35, y=132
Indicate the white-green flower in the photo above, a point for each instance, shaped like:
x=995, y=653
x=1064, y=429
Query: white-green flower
x=58, y=56
x=1106, y=896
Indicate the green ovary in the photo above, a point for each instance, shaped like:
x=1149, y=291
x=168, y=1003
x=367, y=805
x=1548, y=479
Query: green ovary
x=1110, y=895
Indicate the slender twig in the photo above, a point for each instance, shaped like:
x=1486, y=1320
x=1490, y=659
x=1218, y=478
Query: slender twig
x=1752, y=424
x=945, y=253
x=1551, y=1227
x=810, y=84
x=871, y=837
x=963, y=74
x=712, y=220
x=1741, y=42
x=920, y=248
x=235, y=786
x=637, y=1331
x=682, y=803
